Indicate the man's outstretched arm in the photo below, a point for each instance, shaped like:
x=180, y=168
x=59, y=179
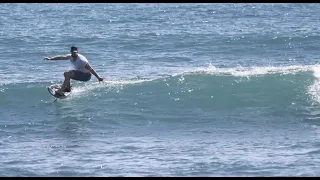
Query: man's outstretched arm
x=66, y=57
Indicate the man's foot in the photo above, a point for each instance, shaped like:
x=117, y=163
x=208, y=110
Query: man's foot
x=59, y=93
x=67, y=89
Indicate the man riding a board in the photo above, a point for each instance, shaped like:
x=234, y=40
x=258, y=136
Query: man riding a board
x=82, y=71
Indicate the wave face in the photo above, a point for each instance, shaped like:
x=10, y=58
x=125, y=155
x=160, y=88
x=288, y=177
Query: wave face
x=286, y=91
x=212, y=88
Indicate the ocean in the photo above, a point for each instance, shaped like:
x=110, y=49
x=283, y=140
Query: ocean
x=189, y=90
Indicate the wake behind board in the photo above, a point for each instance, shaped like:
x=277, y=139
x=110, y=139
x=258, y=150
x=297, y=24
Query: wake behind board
x=53, y=88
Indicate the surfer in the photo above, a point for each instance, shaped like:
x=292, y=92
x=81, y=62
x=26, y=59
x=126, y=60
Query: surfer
x=82, y=71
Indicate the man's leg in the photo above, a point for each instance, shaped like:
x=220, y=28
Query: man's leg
x=66, y=83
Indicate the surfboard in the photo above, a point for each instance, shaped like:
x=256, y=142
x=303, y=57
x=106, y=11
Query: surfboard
x=54, y=87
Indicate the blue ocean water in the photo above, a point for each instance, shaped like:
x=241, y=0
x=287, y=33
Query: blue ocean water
x=190, y=90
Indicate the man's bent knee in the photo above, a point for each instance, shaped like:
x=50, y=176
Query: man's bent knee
x=68, y=74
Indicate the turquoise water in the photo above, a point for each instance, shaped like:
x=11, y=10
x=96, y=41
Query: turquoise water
x=190, y=90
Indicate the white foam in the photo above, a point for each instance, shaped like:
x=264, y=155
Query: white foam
x=316, y=71
x=88, y=87
x=314, y=89
x=252, y=71
x=211, y=69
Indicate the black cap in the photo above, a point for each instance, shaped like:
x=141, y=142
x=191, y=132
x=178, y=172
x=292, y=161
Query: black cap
x=74, y=49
